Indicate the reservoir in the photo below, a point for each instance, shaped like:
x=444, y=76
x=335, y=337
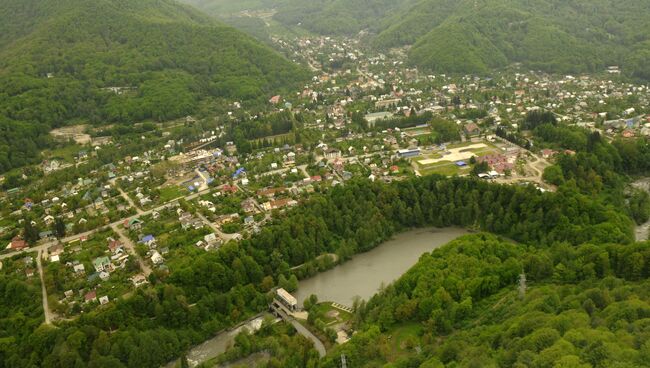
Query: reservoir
x=361, y=276
x=364, y=274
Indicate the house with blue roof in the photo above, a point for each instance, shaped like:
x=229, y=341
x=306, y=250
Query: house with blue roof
x=148, y=240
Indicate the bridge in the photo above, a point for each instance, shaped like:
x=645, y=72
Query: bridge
x=280, y=310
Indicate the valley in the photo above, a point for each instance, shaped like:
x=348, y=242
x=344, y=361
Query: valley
x=319, y=193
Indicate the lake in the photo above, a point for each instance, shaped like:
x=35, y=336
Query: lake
x=364, y=274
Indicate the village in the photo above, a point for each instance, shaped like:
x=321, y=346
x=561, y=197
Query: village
x=115, y=212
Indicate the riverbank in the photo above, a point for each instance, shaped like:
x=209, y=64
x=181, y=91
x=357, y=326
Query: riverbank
x=219, y=343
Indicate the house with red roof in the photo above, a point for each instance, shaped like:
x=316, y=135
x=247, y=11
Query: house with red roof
x=17, y=244
x=90, y=296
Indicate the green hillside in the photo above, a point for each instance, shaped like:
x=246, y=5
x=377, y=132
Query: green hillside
x=338, y=17
x=473, y=36
x=583, y=307
x=58, y=57
x=222, y=8
x=563, y=37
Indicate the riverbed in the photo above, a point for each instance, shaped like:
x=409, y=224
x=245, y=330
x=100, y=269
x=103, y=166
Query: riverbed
x=364, y=274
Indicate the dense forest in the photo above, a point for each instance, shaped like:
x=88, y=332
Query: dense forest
x=119, y=61
x=466, y=303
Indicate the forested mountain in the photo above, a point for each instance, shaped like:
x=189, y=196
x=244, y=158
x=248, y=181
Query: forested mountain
x=336, y=17
x=60, y=58
x=222, y=8
x=557, y=36
x=474, y=36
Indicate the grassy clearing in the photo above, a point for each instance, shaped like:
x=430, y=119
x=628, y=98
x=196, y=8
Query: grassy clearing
x=66, y=153
x=448, y=168
x=403, y=339
x=329, y=314
x=170, y=192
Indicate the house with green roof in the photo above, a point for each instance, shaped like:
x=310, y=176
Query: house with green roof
x=102, y=264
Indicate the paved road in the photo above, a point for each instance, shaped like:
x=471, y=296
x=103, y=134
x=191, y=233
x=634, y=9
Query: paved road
x=306, y=333
x=318, y=345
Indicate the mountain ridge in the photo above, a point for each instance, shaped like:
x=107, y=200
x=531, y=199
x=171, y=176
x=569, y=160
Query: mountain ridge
x=572, y=36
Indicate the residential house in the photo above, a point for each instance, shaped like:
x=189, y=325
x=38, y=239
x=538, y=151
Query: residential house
x=79, y=268
x=138, y=280
x=17, y=244
x=278, y=204
x=188, y=221
x=156, y=258
x=115, y=247
x=548, y=153
x=55, y=250
x=270, y=192
x=471, y=129
x=149, y=241
x=102, y=264
x=332, y=153
x=249, y=206
x=226, y=219
x=628, y=133
x=250, y=220
x=210, y=238
x=133, y=224
x=90, y=296
x=49, y=219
